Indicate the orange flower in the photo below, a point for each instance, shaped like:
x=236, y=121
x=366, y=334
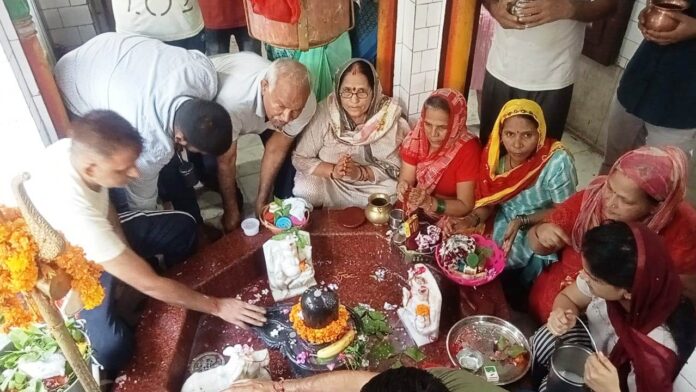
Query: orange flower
x=328, y=334
x=19, y=271
x=422, y=310
x=85, y=275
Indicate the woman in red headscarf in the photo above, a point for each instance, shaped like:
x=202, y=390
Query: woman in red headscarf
x=646, y=185
x=631, y=295
x=440, y=158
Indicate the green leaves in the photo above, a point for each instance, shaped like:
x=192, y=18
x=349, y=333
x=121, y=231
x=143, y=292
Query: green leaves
x=32, y=344
x=374, y=323
x=382, y=350
x=415, y=353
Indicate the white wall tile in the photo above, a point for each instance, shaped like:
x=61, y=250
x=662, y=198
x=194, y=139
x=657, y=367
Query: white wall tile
x=69, y=36
x=406, y=59
x=426, y=1
x=24, y=67
x=413, y=107
x=416, y=62
x=417, y=83
x=400, y=21
x=75, y=16
x=430, y=81
x=636, y=11
x=403, y=99
x=421, y=16
x=7, y=25
x=429, y=62
x=52, y=18
x=633, y=33
x=434, y=14
x=420, y=40
x=43, y=114
x=628, y=48
x=44, y=4
x=433, y=37
x=78, y=2
x=87, y=32
x=397, y=64
x=413, y=119
x=409, y=19
x=622, y=61
x=421, y=99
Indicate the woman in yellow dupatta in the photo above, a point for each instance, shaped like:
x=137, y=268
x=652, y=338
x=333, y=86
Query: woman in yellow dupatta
x=523, y=175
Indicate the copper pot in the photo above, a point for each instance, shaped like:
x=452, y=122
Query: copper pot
x=658, y=14
x=378, y=208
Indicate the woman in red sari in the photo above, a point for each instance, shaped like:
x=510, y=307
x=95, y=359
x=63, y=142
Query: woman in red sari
x=645, y=185
x=440, y=158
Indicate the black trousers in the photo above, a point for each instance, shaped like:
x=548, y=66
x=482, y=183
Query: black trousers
x=163, y=238
x=554, y=103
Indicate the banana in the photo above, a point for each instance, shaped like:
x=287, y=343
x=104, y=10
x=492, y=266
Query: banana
x=336, y=347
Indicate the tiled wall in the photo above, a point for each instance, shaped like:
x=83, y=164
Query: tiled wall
x=24, y=121
x=633, y=37
x=69, y=22
x=417, y=52
x=25, y=78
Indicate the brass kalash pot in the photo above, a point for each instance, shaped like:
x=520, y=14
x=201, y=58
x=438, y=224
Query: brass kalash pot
x=378, y=208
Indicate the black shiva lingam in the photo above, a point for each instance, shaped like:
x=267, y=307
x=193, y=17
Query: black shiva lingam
x=312, y=333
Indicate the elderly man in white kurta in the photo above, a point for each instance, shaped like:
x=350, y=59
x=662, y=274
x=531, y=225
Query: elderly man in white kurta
x=260, y=96
x=165, y=92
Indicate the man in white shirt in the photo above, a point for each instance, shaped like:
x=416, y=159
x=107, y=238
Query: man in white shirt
x=165, y=92
x=69, y=188
x=534, y=55
x=260, y=96
x=176, y=22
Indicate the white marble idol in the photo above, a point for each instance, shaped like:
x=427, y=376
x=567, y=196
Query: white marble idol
x=289, y=264
x=244, y=364
x=422, y=305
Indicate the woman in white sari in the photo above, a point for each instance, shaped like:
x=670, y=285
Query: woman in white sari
x=350, y=149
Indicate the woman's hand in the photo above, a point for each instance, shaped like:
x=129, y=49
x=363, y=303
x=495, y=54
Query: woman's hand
x=401, y=188
x=418, y=198
x=551, y=236
x=340, y=169
x=561, y=321
x=510, y=234
x=352, y=169
x=600, y=374
x=251, y=386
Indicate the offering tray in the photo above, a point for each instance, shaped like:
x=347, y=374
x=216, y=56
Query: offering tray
x=480, y=334
x=278, y=333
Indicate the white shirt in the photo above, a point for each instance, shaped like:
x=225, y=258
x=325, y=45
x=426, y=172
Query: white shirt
x=537, y=59
x=604, y=333
x=240, y=76
x=166, y=20
x=143, y=80
x=70, y=206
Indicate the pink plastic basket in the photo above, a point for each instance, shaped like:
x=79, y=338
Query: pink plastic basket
x=494, y=266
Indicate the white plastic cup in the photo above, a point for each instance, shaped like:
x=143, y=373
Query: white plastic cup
x=250, y=227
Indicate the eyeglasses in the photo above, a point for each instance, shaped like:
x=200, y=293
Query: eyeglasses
x=347, y=94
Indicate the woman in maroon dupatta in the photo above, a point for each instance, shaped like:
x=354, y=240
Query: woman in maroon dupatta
x=632, y=298
x=440, y=158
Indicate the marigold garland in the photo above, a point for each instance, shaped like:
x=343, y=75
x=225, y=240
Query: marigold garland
x=328, y=334
x=19, y=271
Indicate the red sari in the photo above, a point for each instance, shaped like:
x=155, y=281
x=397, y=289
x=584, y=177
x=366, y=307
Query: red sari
x=661, y=173
x=415, y=148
